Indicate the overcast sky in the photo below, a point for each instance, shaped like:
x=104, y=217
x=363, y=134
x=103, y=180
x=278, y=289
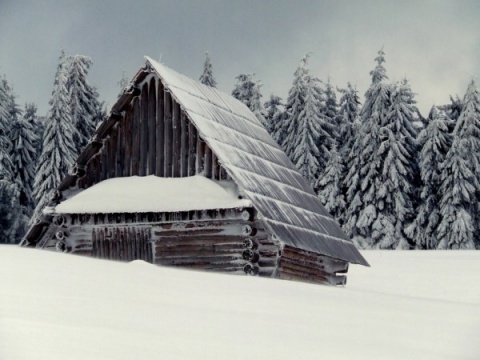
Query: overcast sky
x=435, y=44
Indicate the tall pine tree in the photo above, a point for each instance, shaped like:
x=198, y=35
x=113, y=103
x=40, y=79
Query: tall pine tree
x=247, y=90
x=330, y=185
x=460, y=186
x=85, y=108
x=207, y=75
x=434, y=141
x=274, y=114
x=58, y=147
x=364, y=166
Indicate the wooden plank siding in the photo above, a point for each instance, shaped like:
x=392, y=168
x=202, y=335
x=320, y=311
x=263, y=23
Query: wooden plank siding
x=153, y=136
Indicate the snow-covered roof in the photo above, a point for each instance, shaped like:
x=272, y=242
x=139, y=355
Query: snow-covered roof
x=260, y=168
x=153, y=194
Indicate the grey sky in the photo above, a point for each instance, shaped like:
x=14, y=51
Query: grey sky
x=435, y=44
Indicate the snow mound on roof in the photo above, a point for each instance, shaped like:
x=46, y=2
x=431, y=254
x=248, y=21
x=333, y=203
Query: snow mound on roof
x=154, y=194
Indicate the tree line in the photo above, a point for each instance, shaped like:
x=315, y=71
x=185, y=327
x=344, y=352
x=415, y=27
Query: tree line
x=37, y=152
x=392, y=178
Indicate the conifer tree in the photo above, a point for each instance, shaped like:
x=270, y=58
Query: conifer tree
x=23, y=137
x=274, y=114
x=460, y=186
x=397, y=152
x=30, y=116
x=247, y=90
x=295, y=103
x=434, y=141
x=349, y=109
x=207, y=76
x=363, y=180
x=9, y=211
x=58, y=147
x=84, y=104
x=309, y=158
x=331, y=108
x=330, y=185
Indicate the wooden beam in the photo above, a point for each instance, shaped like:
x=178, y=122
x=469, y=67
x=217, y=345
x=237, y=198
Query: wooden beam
x=160, y=127
x=184, y=140
x=176, y=134
x=142, y=170
x=136, y=137
x=168, y=134
x=192, y=148
x=152, y=125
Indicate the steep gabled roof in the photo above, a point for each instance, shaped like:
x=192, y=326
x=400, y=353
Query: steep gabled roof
x=263, y=172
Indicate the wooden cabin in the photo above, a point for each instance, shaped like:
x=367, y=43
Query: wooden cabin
x=181, y=174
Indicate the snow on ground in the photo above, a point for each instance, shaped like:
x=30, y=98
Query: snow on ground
x=153, y=194
x=407, y=305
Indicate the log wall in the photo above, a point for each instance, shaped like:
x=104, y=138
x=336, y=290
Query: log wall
x=153, y=136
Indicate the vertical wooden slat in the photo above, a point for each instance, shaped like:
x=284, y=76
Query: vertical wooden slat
x=200, y=156
x=104, y=160
x=208, y=162
x=160, y=126
x=176, y=127
x=144, y=131
x=215, y=168
x=112, y=139
x=168, y=134
x=192, y=152
x=119, y=152
x=127, y=167
x=184, y=149
x=136, y=136
x=152, y=124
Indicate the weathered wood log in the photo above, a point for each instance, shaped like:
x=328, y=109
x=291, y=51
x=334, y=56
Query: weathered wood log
x=128, y=119
x=160, y=127
x=250, y=269
x=320, y=276
x=208, y=162
x=91, y=150
x=204, y=239
x=105, y=126
x=168, y=134
x=152, y=131
x=250, y=256
x=181, y=247
x=68, y=181
x=167, y=254
x=136, y=137
x=331, y=265
x=126, y=97
x=199, y=260
x=184, y=140
x=303, y=264
x=192, y=149
x=176, y=141
x=143, y=130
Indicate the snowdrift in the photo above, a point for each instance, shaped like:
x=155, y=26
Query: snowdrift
x=408, y=305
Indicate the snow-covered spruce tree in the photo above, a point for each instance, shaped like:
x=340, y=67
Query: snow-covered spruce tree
x=331, y=110
x=284, y=134
x=434, y=142
x=349, y=109
x=23, y=136
x=395, y=196
x=330, y=185
x=207, y=75
x=309, y=142
x=30, y=116
x=8, y=187
x=274, y=114
x=363, y=180
x=460, y=186
x=85, y=107
x=58, y=147
x=247, y=90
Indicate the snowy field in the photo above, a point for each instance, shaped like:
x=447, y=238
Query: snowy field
x=408, y=305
